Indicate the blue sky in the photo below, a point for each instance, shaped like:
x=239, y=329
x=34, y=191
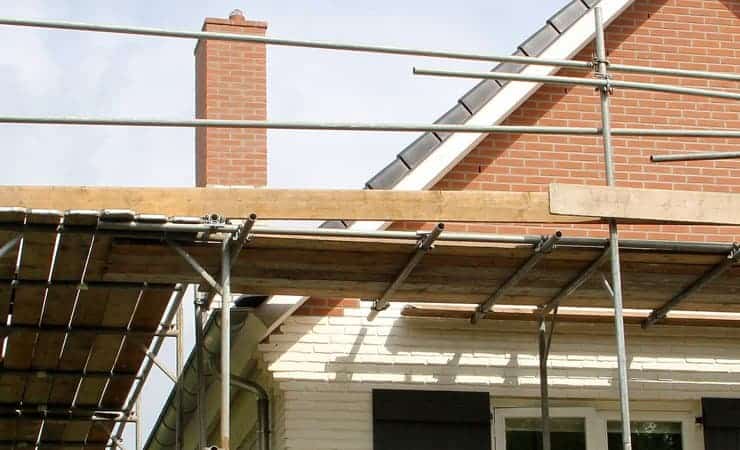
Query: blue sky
x=85, y=74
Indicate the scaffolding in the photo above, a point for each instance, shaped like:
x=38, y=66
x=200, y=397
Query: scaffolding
x=234, y=236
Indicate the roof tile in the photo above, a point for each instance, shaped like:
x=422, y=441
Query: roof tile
x=418, y=150
x=568, y=15
x=484, y=91
x=455, y=116
x=510, y=67
x=389, y=176
x=540, y=40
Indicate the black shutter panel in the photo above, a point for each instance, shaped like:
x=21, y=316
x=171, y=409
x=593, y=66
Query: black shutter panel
x=431, y=420
x=721, y=418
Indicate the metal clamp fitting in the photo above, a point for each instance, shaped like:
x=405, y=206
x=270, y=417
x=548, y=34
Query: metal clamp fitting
x=595, y=61
x=214, y=219
x=735, y=252
x=377, y=308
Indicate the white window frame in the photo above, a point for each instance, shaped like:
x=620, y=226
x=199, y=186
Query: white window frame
x=691, y=436
x=596, y=421
x=595, y=425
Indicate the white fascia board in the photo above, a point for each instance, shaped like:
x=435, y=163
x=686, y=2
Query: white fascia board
x=450, y=152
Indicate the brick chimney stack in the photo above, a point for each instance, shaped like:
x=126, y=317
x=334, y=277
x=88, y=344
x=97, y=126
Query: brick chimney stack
x=230, y=83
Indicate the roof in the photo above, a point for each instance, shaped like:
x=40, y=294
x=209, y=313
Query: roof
x=72, y=341
x=472, y=101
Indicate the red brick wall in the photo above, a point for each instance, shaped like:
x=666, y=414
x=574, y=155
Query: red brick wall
x=327, y=306
x=687, y=34
x=231, y=84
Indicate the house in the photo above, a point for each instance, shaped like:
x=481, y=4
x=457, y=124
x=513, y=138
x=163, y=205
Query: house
x=335, y=379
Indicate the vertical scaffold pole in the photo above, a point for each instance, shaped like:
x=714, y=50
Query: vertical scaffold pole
x=225, y=342
x=179, y=365
x=137, y=425
x=544, y=392
x=198, y=303
x=622, y=374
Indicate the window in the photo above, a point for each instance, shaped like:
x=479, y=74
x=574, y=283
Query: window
x=585, y=428
x=647, y=435
x=431, y=420
x=526, y=433
x=570, y=429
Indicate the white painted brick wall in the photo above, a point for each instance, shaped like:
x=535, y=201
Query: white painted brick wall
x=326, y=367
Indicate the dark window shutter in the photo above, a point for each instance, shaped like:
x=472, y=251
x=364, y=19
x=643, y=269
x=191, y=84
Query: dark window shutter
x=721, y=418
x=431, y=420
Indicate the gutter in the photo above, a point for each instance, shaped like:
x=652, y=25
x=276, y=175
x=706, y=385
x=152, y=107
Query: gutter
x=246, y=331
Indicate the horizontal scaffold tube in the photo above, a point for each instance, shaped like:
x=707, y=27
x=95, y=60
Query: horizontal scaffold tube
x=347, y=126
x=626, y=68
x=674, y=246
x=695, y=156
x=576, y=81
x=284, y=125
x=326, y=45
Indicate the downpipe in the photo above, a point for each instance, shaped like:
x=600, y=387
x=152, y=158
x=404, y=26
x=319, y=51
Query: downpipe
x=263, y=405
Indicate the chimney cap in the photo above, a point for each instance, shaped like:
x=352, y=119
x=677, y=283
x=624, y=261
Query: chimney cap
x=237, y=15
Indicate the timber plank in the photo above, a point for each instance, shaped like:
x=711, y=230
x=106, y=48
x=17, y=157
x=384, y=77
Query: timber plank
x=120, y=305
x=60, y=306
x=146, y=317
x=27, y=430
x=645, y=204
x=452, y=272
x=98, y=434
x=36, y=259
x=10, y=385
x=53, y=430
x=160, y=259
x=7, y=429
x=7, y=269
x=92, y=306
x=298, y=204
x=76, y=431
x=70, y=265
x=60, y=301
x=570, y=316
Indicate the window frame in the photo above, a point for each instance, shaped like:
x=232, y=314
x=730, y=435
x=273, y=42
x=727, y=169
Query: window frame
x=691, y=438
x=594, y=424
